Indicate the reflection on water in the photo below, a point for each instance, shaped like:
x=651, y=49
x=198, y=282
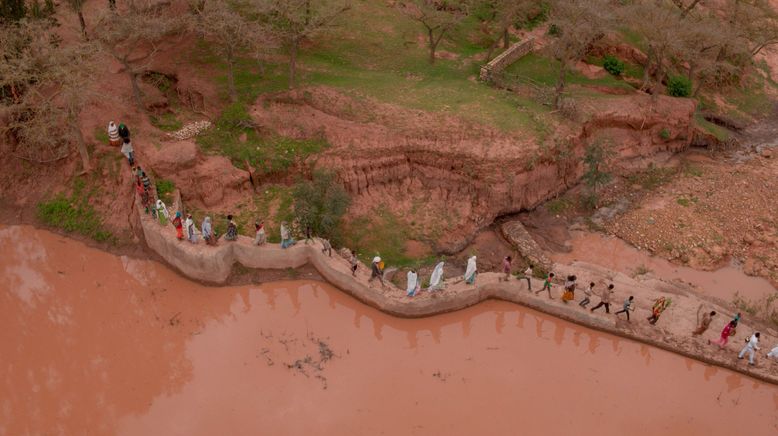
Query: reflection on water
x=126, y=347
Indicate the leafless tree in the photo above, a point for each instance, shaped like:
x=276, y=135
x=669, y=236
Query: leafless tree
x=294, y=21
x=133, y=36
x=576, y=25
x=45, y=86
x=232, y=31
x=507, y=14
x=437, y=16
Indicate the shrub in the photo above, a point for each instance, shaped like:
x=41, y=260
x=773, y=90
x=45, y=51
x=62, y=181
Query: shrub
x=164, y=189
x=664, y=134
x=321, y=203
x=679, y=86
x=613, y=65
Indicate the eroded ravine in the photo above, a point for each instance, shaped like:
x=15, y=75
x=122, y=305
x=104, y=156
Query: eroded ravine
x=99, y=344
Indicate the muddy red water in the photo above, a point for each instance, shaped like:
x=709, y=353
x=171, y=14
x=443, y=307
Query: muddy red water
x=615, y=254
x=96, y=344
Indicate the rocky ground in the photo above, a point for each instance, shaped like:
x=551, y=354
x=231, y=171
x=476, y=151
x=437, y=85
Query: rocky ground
x=710, y=212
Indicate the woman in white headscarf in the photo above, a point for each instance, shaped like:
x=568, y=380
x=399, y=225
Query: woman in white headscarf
x=437, y=276
x=162, y=212
x=191, y=230
x=207, y=230
x=470, y=271
x=286, y=237
x=413, y=283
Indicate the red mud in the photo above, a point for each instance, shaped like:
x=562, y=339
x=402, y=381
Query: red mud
x=98, y=344
x=617, y=255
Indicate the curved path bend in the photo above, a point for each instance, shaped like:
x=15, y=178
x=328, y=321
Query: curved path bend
x=213, y=264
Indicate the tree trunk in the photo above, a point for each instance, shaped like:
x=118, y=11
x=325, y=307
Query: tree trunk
x=560, y=85
x=433, y=45
x=136, y=93
x=80, y=141
x=506, y=38
x=82, y=23
x=646, y=73
x=231, y=77
x=292, y=63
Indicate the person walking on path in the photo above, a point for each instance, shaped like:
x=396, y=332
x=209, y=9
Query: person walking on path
x=773, y=353
x=605, y=299
x=191, y=230
x=179, y=226
x=752, y=345
x=470, y=271
x=207, y=231
x=726, y=332
x=660, y=305
x=569, y=294
x=113, y=134
x=232, y=230
x=286, y=237
x=259, y=233
x=162, y=213
x=626, y=307
x=376, y=271
x=354, y=262
x=308, y=235
x=546, y=285
x=528, y=276
x=124, y=132
x=587, y=293
x=326, y=247
x=506, y=268
x=413, y=283
x=128, y=152
x=704, y=322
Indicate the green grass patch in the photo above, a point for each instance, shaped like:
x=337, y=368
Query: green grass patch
x=165, y=190
x=717, y=131
x=381, y=233
x=101, y=135
x=167, y=122
x=558, y=205
x=74, y=214
x=233, y=136
x=543, y=71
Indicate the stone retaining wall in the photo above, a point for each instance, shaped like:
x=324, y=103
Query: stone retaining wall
x=214, y=265
x=509, y=56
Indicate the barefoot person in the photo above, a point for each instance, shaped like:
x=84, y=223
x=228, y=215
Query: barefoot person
x=704, y=322
x=752, y=345
x=626, y=307
x=547, y=285
x=527, y=275
x=726, y=332
x=587, y=293
x=605, y=299
x=660, y=305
